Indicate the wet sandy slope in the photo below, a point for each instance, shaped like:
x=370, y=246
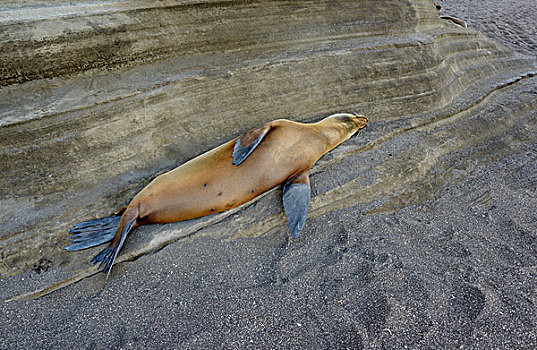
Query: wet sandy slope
x=420, y=232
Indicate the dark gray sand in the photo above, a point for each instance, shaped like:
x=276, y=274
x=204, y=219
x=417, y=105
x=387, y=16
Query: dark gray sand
x=511, y=23
x=456, y=268
x=420, y=278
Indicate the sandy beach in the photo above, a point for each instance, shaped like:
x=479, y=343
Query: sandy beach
x=510, y=23
x=422, y=230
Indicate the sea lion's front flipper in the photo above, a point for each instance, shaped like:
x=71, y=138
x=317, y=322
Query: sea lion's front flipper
x=296, y=200
x=248, y=142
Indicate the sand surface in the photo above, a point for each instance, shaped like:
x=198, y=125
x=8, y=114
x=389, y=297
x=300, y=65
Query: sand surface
x=511, y=23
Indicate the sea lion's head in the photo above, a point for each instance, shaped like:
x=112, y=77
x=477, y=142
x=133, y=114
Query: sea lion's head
x=351, y=123
x=341, y=127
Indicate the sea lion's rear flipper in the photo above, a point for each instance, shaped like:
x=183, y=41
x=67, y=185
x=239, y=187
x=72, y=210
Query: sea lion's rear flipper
x=93, y=232
x=108, y=255
x=296, y=200
x=248, y=142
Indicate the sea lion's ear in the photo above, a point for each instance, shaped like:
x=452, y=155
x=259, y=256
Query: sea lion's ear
x=248, y=142
x=296, y=200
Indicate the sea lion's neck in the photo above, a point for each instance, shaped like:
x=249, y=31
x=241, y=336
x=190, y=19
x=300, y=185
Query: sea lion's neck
x=332, y=134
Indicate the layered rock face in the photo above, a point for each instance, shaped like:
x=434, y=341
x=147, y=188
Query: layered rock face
x=97, y=98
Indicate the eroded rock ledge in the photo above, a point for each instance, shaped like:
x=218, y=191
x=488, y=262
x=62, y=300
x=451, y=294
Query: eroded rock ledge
x=98, y=98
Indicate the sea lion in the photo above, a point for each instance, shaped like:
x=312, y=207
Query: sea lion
x=278, y=152
x=455, y=20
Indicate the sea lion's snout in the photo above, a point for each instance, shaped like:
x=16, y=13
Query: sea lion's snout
x=361, y=121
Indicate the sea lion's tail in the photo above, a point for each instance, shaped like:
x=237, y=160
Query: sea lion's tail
x=113, y=229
